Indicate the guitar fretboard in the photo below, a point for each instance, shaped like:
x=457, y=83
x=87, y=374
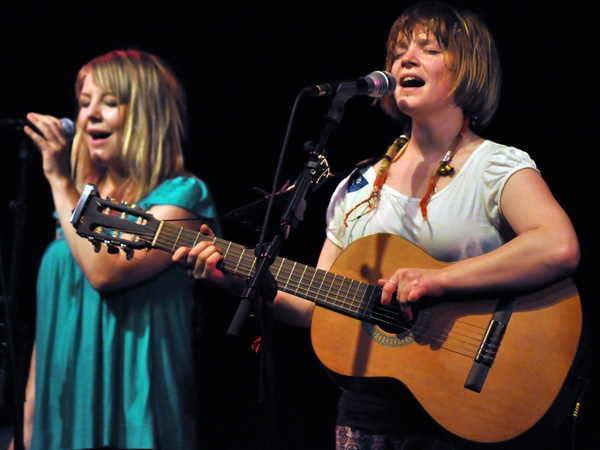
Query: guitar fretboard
x=327, y=289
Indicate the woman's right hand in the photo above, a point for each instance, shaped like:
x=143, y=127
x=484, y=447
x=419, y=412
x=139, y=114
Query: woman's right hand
x=54, y=145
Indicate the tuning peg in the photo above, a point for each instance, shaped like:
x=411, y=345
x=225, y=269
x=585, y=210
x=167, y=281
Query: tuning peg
x=112, y=249
x=128, y=252
x=97, y=245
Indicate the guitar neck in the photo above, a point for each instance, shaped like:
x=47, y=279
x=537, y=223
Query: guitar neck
x=326, y=289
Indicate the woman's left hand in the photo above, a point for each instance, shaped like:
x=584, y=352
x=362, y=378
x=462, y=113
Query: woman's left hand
x=411, y=285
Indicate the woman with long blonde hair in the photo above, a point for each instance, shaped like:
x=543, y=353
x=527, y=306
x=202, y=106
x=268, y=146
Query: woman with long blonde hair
x=112, y=364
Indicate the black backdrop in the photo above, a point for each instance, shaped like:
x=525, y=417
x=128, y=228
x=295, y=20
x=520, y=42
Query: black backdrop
x=242, y=64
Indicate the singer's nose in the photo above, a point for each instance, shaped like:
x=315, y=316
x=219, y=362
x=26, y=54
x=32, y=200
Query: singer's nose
x=92, y=112
x=410, y=57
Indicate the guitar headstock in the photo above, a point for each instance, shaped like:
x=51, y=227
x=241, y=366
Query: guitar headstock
x=118, y=225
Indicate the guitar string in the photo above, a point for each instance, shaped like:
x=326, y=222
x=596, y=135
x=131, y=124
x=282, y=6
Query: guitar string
x=381, y=314
x=170, y=237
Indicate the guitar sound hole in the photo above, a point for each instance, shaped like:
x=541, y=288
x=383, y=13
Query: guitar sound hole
x=391, y=320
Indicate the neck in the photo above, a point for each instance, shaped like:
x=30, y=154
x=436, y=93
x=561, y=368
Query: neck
x=432, y=137
x=112, y=184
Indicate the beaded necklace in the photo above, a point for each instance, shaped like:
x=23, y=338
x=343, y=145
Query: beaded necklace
x=394, y=152
x=443, y=169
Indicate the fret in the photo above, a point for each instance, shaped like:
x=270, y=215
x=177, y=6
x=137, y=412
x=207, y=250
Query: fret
x=177, y=238
x=289, y=278
x=357, y=296
x=336, y=298
x=235, y=270
x=300, y=280
x=187, y=237
x=323, y=299
x=328, y=296
x=157, y=233
x=346, y=302
x=314, y=271
x=277, y=274
x=226, y=254
x=346, y=296
x=252, y=266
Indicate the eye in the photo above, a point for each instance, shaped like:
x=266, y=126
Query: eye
x=432, y=51
x=111, y=101
x=84, y=101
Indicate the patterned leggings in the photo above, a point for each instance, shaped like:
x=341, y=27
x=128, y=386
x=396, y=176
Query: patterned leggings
x=347, y=438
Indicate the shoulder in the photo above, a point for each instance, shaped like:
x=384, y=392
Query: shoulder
x=493, y=164
x=186, y=192
x=497, y=155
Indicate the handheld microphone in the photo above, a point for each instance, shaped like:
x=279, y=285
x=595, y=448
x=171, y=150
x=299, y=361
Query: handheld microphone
x=376, y=84
x=19, y=124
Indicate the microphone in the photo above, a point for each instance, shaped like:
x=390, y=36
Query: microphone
x=19, y=124
x=376, y=84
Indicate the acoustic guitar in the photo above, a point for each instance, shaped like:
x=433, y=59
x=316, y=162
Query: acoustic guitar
x=485, y=369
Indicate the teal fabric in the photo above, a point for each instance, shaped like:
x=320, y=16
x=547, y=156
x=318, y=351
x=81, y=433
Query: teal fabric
x=117, y=369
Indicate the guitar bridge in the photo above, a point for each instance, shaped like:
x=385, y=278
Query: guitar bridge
x=488, y=349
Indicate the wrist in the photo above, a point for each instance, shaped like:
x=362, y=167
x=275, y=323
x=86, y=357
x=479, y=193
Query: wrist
x=59, y=182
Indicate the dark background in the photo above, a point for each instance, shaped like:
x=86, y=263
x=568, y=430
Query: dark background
x=242, y=64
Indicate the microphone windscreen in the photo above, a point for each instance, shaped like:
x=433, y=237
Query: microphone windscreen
x=69, y=127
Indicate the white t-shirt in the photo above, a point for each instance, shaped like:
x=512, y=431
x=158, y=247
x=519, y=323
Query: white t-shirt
x=463, y=219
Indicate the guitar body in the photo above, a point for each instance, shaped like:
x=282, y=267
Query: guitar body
x=434, y=357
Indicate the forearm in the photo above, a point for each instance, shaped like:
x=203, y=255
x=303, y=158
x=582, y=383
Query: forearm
x=293, y=310
x=529, y=261
x=93, y=264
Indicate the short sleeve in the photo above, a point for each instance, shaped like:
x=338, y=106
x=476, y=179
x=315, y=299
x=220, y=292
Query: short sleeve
x=189, y=193
x=335, y=214
x=500, y=166
x=355, y=186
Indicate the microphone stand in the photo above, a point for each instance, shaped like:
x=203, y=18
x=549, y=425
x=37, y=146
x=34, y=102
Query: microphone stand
x=262, y=285
x=18, y=207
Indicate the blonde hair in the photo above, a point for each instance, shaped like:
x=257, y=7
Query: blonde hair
x=154, y=125
x=470, y=47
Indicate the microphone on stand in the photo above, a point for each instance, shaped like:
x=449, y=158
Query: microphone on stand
x=376, y=84
x=19, y=124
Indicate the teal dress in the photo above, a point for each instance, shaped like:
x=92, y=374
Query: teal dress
x=117, y=369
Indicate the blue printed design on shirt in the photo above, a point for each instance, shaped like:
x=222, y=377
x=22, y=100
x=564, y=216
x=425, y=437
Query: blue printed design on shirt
x=357, y=182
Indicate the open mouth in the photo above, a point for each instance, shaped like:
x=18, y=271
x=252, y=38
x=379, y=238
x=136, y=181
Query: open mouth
x=97, y=135
x=411, y=82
